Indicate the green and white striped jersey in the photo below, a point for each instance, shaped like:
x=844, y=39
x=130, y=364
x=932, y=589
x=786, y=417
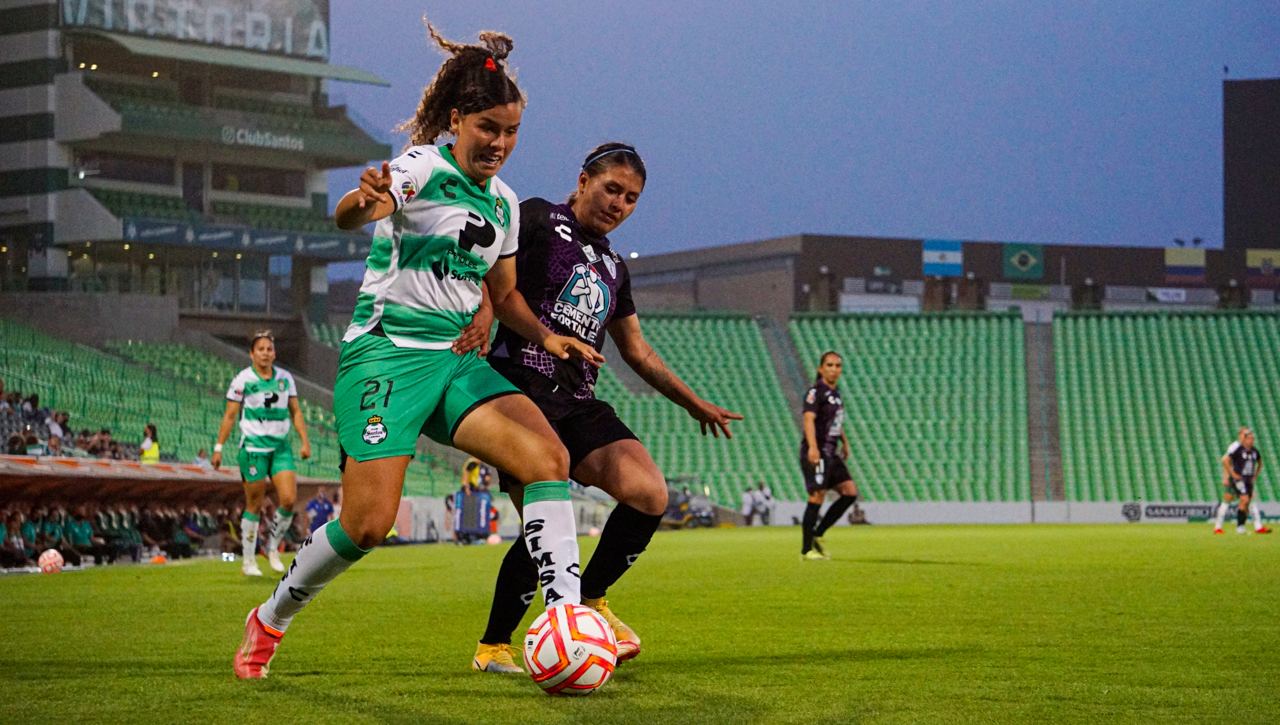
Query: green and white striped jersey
x=264, y=408
x=422, y=277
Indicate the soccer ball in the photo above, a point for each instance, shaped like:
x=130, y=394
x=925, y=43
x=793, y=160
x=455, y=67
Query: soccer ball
x=570, y=650
x=50, y=561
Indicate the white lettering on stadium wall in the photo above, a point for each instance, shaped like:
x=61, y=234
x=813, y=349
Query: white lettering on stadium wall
x=233, y=136
x=289, y=27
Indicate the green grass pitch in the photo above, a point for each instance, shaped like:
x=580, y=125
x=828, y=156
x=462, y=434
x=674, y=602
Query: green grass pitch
x=905, y=624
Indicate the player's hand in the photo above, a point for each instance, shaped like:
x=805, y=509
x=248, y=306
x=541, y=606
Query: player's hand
x=305, y=452
x=374, y=184
x=216, y=460
x=844, y=452
x=476, y=334
x=814, y=457
x=565, y=347
x=714, y=418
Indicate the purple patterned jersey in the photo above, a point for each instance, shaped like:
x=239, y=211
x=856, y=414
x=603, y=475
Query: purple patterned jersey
x=574, y=283
x=824, y=402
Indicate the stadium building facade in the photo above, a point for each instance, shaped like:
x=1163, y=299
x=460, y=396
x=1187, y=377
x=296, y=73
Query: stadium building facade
x=174, y=148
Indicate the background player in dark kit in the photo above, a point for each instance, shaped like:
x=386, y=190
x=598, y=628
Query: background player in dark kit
x=822, y=452
x=1243, y=463
x=580, y=287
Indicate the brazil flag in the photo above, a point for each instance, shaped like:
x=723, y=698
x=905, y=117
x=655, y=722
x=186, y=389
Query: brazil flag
x=1023, y=261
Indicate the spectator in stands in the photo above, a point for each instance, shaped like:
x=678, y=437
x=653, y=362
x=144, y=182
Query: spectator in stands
x=54, y=446
x=202, y=460
x=32, y=445
x=82, y=440
x=100, y=444
x=31, y=534
x=13, y=552
x=31, y=408
x=319, y=510
x=16, y=445
x=55, y=428
x=757, y=502
x=80, y=537
x=149, y=451
x=115, y=452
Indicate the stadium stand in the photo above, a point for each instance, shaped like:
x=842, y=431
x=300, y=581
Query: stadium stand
x=724, y=359
x=266, y=216
x=177, y=388
x=935, y=404
x=155, y=206
x=1149, y=401
x=212, y=374
x=327, y=334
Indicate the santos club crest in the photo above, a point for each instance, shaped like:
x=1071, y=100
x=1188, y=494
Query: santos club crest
x=375, y=432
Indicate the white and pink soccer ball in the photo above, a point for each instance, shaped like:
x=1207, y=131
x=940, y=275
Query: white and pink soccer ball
x=50, y=561
x=570, y=650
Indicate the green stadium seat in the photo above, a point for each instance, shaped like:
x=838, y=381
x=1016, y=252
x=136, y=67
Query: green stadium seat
x=951, y=386
x=1153, y=382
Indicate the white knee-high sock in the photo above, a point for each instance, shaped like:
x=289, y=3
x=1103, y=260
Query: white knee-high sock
x=552, y=536
x=324, y=555
x=280, y=523
x=1257, y=515
x=1222, y=515
x=249, y=536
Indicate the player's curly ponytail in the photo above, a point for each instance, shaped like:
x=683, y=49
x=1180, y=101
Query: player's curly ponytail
x=475, y=78
x=606, y=156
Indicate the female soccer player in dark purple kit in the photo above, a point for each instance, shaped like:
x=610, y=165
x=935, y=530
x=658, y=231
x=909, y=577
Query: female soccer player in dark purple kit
x=579, y=286
x=822, y=452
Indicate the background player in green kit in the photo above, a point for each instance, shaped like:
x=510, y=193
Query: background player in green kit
x=445, y=223
x=263, y=398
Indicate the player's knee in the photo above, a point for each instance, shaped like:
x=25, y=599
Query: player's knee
x=652, y=500
x=550, y=462
x=369, y=531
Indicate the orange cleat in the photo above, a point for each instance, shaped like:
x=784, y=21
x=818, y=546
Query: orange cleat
x=259, y=646
x=1218, y=531
x=1263, y=530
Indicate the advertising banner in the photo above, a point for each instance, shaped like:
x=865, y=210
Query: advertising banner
x=298, y=28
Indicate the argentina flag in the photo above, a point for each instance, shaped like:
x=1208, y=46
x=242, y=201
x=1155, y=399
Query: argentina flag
x=943, y=258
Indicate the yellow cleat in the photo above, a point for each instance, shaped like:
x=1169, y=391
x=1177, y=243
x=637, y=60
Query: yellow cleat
x=812, y=555
x=495, y=658
x=820, y=546
x=628, y=640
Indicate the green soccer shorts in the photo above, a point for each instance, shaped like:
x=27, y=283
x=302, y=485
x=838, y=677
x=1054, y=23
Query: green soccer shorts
x=255, y=467
x=386, y=396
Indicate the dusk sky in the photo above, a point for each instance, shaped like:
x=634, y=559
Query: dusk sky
x=1065, y=122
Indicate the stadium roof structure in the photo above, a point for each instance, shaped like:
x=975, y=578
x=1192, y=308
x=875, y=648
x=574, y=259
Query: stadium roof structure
x=232, y=58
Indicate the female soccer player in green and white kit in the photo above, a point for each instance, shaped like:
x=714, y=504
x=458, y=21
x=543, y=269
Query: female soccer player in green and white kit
x=264, y=398
x=445, y=223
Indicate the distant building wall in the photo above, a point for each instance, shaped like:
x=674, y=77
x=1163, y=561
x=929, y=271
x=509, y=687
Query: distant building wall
x=92, y=318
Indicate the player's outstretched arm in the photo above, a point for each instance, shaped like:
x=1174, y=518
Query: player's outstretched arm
x=642, y=358
x=512, y=309
x=368, y=202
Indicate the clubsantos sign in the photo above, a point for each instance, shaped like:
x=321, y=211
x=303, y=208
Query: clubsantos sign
x=237, y=136
x=285, y=27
